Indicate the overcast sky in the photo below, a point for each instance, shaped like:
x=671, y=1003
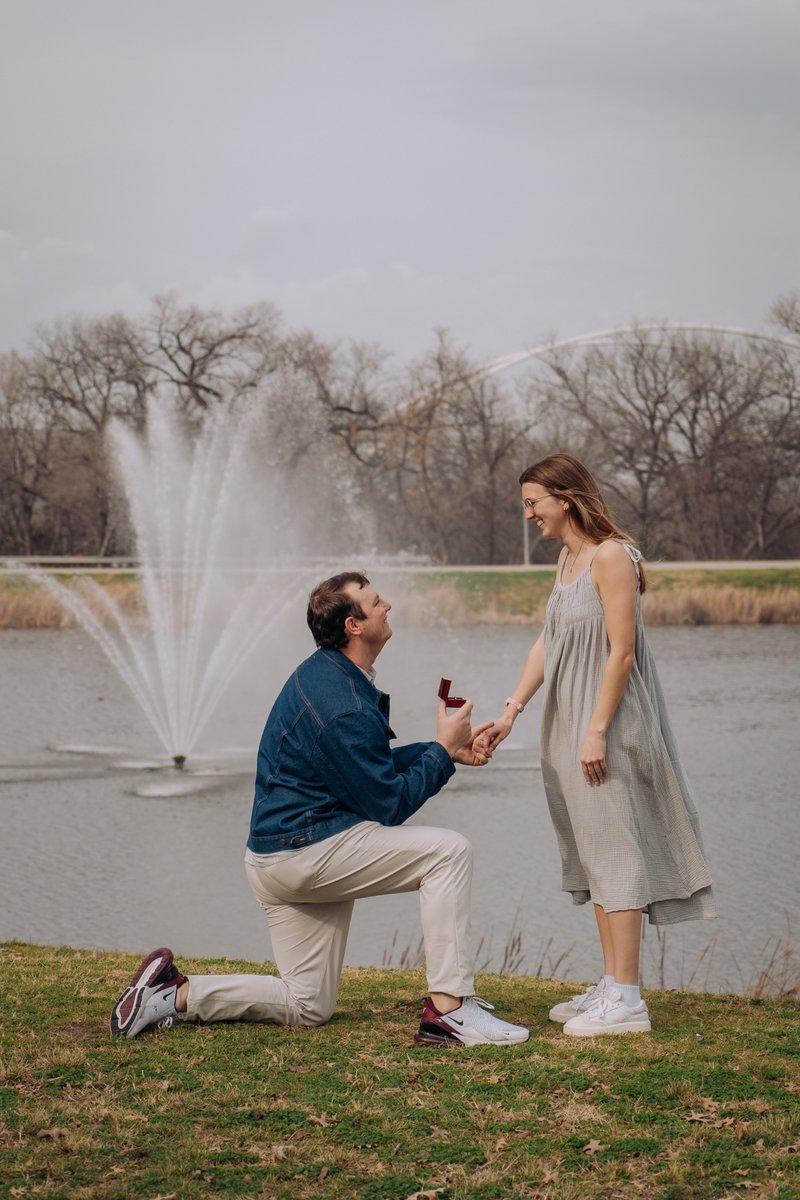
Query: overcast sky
x=508, y=169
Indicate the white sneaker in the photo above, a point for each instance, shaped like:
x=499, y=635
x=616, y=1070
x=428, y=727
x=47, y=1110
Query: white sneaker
x=470, y=1025
x=572, y=1008
x=609, y=1014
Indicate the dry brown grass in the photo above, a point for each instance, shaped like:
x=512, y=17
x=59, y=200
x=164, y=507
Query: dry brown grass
x=446, y=604
x=464, y=600
x=30, y=606
x=724, y=604
x=681, y=604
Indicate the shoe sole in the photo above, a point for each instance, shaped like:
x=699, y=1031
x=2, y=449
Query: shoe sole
x=148, y=972
x=623, y=1027
x=425, y=1038
x=128, y=1029
x=437, y=1039
x=560, y=1019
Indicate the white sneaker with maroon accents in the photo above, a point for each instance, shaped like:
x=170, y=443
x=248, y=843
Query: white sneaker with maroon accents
x=149, y=999
x=609, y=1014
x=468, y=1025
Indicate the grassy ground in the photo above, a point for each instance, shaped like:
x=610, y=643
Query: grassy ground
x=706, y=1106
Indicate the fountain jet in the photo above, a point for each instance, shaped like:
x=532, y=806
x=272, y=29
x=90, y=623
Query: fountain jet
x=211, y=588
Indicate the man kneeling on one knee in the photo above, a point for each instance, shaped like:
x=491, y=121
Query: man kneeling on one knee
x=326, y=830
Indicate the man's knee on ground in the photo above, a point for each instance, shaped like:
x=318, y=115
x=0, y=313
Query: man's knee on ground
x=313, y=1011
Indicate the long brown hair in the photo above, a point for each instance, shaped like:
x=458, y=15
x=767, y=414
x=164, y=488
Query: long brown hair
x=567, y=478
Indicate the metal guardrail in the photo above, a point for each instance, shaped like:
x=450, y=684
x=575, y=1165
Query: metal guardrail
x=56, y=562
x=79, y=564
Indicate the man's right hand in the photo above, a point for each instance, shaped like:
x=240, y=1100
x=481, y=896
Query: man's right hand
x=454, y=727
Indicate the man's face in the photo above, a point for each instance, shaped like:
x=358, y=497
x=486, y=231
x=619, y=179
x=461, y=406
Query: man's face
x=375, y=628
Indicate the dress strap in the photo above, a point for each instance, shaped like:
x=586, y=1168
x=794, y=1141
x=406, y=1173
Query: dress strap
x=635, y=555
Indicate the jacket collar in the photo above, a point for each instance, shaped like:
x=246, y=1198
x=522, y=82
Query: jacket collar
x=343, y=663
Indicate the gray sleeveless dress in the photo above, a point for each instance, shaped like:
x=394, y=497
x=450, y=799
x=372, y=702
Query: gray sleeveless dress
x=633, y=841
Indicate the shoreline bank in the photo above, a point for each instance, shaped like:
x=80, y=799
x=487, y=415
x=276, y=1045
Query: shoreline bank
x=677, y=594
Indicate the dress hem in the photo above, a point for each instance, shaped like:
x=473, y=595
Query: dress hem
x=693, y=904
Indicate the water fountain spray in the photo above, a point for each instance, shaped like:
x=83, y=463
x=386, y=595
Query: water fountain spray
x=207, y=576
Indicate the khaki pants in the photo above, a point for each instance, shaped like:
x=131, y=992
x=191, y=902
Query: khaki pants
x=307, y=896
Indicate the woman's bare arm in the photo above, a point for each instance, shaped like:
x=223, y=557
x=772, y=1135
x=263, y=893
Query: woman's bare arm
x=614, y=578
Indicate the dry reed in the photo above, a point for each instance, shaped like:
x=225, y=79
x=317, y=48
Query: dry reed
x=445, y=604
x=29, y=606
x=776, y=976
x=680, y=604
x=32, y=606
x=723, y=604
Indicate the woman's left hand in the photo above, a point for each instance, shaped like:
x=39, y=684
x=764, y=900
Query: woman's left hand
x=593, y=759
x=479, y=753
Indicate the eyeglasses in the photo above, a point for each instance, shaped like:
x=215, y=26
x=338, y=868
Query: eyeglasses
x=530, y=505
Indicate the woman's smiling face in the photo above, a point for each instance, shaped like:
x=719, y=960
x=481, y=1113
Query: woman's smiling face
x=544, y=508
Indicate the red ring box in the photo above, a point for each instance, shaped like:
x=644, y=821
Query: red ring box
x=444, y=694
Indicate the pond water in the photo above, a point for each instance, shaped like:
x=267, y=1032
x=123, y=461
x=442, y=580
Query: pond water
x=103, y=850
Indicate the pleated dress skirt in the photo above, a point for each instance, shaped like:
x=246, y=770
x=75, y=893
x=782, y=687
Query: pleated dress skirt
x=633, y=841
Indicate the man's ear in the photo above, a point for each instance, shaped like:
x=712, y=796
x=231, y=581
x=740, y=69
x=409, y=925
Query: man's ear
x=352, y=627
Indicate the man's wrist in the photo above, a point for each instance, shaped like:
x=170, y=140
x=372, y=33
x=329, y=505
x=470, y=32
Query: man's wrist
x=450, y=753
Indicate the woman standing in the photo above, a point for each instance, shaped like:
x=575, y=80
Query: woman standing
x=626, y=825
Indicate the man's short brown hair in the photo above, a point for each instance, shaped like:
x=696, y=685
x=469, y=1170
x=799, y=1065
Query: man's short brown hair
x=329, y=606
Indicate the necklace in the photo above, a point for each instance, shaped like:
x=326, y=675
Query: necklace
x=570, y=565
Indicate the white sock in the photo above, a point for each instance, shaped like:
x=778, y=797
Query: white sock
x=608, y=980
x=630, y=993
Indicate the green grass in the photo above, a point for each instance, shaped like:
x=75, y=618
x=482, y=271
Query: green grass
x=518, y=593
x=706, y=1106
x=760, y=579
x=524, y=593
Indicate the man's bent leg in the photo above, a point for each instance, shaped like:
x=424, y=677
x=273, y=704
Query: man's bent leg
x=239, y=998
x=308, y=942
x=374, y=860
x=377, y=860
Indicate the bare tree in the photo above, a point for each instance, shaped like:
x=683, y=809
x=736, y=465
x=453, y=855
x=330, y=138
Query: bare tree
x=208, y=357
x=680, y=427
x=785, y=314
x=454, y=449
x=346, y=396
x=83, y=374
x=25, y=449
x=696, y=438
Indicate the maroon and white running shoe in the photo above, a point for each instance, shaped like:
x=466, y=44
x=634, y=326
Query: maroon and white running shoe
x=468, y=1025
x=153, y=988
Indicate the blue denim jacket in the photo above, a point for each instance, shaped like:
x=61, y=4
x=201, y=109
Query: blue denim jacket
x=325, y=763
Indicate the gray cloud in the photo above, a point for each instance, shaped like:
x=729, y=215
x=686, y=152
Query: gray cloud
x=505, y=169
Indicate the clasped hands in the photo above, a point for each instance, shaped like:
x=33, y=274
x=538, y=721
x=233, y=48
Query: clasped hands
x=468, y=745
x=474, y=747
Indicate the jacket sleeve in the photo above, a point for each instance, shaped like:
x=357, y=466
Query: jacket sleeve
x=404, y=756
x=363, y=773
